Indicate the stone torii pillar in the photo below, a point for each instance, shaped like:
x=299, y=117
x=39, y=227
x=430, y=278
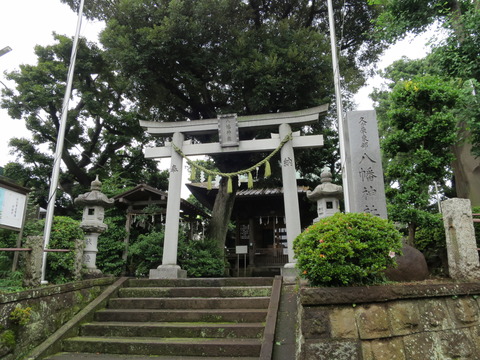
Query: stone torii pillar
x=169, y=268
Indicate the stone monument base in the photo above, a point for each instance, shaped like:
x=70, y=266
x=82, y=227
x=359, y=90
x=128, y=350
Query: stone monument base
x=290, y=273
x=168, y=272
x=91, y=273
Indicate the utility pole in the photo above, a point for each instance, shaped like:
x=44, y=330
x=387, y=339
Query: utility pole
x=59, y=146
x=339, y=104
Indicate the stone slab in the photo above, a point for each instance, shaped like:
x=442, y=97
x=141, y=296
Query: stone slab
x=366, y=294
x=167, y=273
x=366, y=190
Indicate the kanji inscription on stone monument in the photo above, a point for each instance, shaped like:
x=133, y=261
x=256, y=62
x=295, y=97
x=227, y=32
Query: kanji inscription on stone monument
x=366, y=186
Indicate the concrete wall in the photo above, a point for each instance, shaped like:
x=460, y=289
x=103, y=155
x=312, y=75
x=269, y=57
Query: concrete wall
x=414, y=322
x=51, y=307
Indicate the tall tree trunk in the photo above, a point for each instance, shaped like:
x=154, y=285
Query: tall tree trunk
x=221, y=213
x=466, y=168
x=411, y=234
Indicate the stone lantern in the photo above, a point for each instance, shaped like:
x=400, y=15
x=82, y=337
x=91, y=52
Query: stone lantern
x=94, y=204
x=327, y=196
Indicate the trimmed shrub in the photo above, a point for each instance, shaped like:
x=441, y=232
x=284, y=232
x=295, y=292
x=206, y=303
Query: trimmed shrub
x=347, y=249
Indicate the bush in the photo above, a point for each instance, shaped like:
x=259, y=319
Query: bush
x=111, y=246
x=65, y=230
x=430, y=240
x=145, y=253
x=347, y=249
x=201, y=258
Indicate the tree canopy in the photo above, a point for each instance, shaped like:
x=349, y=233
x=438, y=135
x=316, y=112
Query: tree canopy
x=102, y=136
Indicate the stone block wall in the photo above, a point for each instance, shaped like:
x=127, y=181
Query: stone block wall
x=51, y=307
x=395, y=322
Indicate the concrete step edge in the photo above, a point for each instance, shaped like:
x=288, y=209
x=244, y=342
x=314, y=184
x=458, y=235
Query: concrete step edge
x=177, y=341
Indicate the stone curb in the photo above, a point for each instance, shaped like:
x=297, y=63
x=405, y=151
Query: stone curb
x=52, y=344
x=381, y=293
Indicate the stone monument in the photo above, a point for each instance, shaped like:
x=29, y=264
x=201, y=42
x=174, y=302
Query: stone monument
x=94, y=204
x=365, y=190
x=463, y=262
x=327, y=196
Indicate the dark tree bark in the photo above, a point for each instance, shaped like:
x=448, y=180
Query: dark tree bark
x=221, y=213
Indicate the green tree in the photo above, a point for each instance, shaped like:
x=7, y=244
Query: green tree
x=196, y=59
x=102, y=136
x=418, y=131
x=456, y=59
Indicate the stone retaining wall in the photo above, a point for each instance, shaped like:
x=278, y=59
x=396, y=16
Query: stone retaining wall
x=51, y=307
x=414, y=322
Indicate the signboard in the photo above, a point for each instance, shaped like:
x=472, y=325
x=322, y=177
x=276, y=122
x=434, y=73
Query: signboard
x=364, y=164
x=228, y=130
x=12, y=208
x=243, y=249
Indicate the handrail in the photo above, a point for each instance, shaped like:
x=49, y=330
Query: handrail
x=271, y=323
x=15, y=249
x=29, y=249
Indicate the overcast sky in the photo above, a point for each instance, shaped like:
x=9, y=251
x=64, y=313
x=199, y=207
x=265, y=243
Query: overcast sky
x=26, y=23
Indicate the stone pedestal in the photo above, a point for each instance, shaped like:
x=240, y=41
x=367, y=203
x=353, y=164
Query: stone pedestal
x=290, y=273
x=463, y=262
x=168, y=272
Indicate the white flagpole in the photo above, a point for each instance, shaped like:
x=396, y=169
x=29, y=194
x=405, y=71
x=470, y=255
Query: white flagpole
x=338, y=99
x=59, y=147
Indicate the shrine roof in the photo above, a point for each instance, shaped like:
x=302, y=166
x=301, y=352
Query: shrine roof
x=143, y=195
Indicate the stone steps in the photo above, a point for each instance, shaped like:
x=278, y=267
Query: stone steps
x=188, y=315
x=161, y=346
x=189, y=303
x=178, y=319
x=90, y=356
x=174, y=330
x=195, y=292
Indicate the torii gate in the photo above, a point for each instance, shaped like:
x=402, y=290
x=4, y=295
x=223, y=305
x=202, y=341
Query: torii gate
x=228, y=127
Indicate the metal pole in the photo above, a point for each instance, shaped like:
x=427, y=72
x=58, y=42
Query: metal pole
x=339, y=105
x=59, y=147
x=5, y=50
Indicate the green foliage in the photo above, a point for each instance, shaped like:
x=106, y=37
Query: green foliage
x=201, y=258
x=111, y=245
x=418, y=130
x=63, y=235
x=7, y=339
x=102, y=137
x=476, y=226
x=430, y=240
x=20, y=316
x=11, y=282
x=347, y=249
x=8, y=239
x=145, y=253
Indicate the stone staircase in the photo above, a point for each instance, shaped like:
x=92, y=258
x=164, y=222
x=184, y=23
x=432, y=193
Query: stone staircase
x=181, y=319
